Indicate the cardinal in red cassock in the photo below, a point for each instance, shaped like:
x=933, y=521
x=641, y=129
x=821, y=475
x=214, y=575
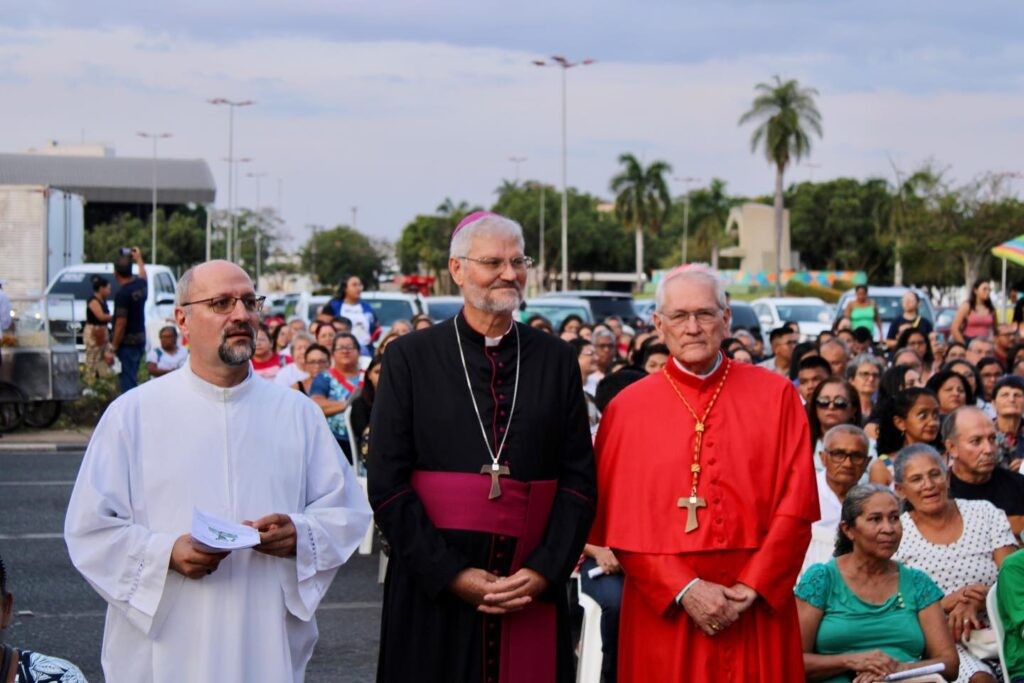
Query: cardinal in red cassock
x=706, y=494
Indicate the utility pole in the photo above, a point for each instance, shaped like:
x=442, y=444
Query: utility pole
x=154, y=137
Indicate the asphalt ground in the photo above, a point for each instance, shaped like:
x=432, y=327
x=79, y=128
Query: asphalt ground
x=58, y=613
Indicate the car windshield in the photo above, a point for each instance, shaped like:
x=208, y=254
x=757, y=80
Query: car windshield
x=891, y=307
x=79, y=285
x=443, y=310
x=804, y=313
x=744, y=316
x=605, y=306
x=390, y=310
x=554, y=313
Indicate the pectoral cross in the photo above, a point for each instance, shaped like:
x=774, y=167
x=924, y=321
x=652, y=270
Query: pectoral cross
x=691, y=504
x=495, y=470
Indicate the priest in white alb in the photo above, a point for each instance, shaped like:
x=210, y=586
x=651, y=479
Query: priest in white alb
x=217, y=438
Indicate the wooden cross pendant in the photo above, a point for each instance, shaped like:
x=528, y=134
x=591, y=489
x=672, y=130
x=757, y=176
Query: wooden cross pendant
x=495, y=470
x=691, y=504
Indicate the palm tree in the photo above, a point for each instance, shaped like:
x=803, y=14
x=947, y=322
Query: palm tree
x=784, y=113
x=711, y=227
x=642, y=200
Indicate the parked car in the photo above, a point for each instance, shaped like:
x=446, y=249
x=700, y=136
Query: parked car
x=557, y=309
x=441, y=308
x=602, y=304
x=645, y=310
x=391, y=306
x=812, y=315
x=889, y=302
x=944, y=319
x=76, y=281
x=743, y=316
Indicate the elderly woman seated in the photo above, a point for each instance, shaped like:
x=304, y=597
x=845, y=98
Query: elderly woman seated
x=863, y=615
x=959, y=543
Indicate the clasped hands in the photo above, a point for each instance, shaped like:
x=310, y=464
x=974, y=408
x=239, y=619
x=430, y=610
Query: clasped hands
x=963, y=607
x=277, y=538
x=714, y=607
x=497, y=595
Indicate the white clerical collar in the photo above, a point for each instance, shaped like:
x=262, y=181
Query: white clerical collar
x=494, y=341
x=219, y=393
x=718, y=361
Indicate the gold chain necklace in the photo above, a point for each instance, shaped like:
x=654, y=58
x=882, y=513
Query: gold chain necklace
x=693, y=502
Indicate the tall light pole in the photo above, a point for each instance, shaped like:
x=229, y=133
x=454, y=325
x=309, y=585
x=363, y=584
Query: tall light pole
x=517, y=161
x=565, y=65
x=231, y=105
x=259, y=232
x=686, y=210
x=257, y=177
x=355, y=212
x=233, y=242
x=155, y=137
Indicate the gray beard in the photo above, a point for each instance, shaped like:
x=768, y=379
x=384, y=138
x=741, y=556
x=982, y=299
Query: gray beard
x=479, y=300
x=236, y=355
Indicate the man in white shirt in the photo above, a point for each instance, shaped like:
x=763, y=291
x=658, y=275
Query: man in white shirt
x=216, y=438
x=845, y=455
x=169, y=357
x=296, y=370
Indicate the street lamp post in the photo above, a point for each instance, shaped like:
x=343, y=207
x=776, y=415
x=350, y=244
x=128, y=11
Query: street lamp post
x=154, y=137
x=565, y=65
x=686, y=211
x=232, y=105
x=259, y=232
x=517, y=161
x=234, y=243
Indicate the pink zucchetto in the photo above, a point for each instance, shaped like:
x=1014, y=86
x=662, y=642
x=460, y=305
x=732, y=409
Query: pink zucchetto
x=471, y=218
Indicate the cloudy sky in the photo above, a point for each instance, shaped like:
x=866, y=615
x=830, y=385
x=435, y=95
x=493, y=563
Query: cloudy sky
x=392, y=106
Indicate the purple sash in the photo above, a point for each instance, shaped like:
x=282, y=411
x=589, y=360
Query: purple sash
x=457, y=500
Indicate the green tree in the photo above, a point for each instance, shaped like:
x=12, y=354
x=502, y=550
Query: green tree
x=181, y=239
x=341, y=251
x=597, y=242
x=841, y=224
x=785, y=113
x=641, y=201
x=423, y=245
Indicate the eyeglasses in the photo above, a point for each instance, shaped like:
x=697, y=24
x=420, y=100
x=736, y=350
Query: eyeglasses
x=868, y=374
x=703, y=316
x=588, y=352
x=317, y=361
x=496, y=265
x=855, y=457
x=839, y=403
x=223, y=305
x=345, y=348
x=604, y=346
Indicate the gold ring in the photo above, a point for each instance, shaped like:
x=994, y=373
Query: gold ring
x=715, y=627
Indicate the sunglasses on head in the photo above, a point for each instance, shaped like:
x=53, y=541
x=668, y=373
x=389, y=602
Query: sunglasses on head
x=839, y=403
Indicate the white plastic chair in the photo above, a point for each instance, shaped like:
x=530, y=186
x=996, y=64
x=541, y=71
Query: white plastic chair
x=366, y=547
x=992, y=607
x=821, y=547
x=588, y=668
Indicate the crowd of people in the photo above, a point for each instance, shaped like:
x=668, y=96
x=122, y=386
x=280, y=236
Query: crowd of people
x=891, y=455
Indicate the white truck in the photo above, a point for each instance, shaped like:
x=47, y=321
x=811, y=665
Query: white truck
x=42, y=230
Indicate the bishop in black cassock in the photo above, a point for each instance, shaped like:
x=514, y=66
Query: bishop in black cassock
x=425, y=428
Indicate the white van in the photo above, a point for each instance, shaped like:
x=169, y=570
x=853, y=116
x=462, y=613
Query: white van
x=76, y=281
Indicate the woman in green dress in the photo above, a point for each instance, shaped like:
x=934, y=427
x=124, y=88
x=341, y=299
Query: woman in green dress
x=864, y=616
x=862, y=312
